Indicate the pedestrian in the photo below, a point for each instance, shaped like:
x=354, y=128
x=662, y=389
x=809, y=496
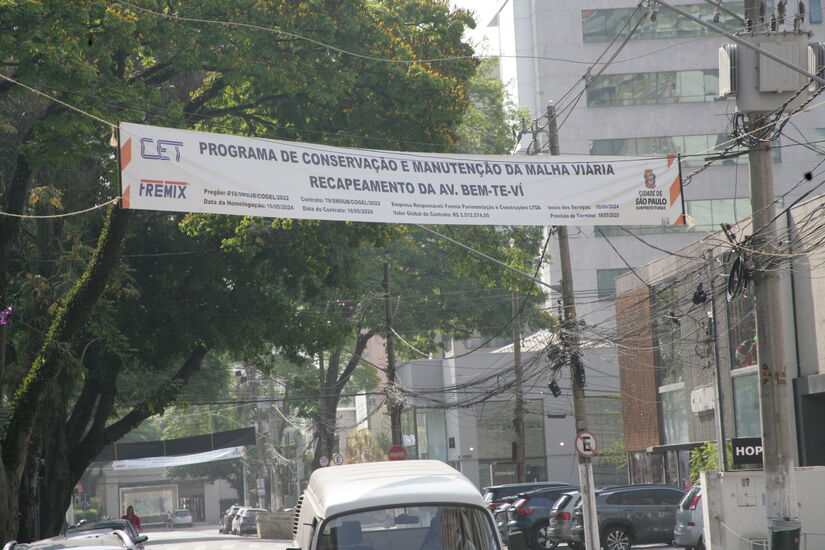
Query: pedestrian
x=132, y=517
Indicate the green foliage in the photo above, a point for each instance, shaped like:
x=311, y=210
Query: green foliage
x=706, y=457
x=239, y=287
x=487, y=126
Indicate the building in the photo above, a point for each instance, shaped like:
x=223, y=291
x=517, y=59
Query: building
x=460, y=409
x=659, y=95
x=671, y=354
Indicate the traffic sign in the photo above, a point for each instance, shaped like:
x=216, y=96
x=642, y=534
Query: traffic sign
x=323, y=461
x=337, y=459
x=397, y=452
x=586, y=444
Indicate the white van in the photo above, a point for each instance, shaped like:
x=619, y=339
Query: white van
x=394, y=505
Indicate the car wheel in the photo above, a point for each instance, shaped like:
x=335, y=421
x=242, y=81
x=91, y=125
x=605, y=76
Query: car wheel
x=700, y=545
x=616, y=538
x=539, y=539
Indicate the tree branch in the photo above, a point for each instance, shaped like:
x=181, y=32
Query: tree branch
x=71, y=317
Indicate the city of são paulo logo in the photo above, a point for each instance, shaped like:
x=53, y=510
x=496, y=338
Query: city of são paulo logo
x=650, y=198
x=650, y=179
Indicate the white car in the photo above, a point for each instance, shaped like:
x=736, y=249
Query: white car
x=182, y=518
x=400, y=504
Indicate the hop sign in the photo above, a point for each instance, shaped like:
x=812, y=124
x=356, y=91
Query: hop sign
x=397, y=452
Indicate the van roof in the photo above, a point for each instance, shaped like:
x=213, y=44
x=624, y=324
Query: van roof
x=339, y=489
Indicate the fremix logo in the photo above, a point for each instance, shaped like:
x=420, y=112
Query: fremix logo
x=650, y=179
x=159, y=150
x=163, y=189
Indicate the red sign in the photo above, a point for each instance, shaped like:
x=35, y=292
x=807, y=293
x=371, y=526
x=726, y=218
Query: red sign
x=397, y=452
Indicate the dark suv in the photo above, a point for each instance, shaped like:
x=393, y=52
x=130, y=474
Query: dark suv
x=632, y=514
x=530, y=514
x=494, y=494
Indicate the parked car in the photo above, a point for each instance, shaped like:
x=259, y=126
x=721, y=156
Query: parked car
x=182, y=518
x=108, y=526
x=394, y=504
x=560, y=522
x=116, y=540
x=495, y=494
x=530, y=514
x=244, y=521
x=228, y=516
x=689, y=530
x=632, y=514
x=500, y=515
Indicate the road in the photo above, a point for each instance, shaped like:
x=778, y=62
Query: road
x=206, y=537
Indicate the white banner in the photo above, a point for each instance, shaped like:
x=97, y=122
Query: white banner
x=185, y=171
x=179, y=460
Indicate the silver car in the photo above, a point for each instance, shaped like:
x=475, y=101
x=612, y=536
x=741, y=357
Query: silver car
x=689, y=530
x=561, y=519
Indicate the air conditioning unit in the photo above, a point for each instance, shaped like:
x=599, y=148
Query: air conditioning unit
x=816, y=63
x=727, y=70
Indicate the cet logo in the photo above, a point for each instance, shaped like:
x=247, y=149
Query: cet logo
x=163, y=189
x=157, y=150
x=650, y=179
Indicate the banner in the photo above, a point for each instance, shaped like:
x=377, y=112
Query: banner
x=185, y=171
x=180, y=460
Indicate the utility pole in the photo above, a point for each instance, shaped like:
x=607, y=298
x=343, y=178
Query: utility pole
x=518, y=415
x=570, y=326
x=393, y=407
x=780, y=484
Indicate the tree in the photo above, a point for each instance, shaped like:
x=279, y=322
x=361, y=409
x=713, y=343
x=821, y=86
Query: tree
x=104, y=342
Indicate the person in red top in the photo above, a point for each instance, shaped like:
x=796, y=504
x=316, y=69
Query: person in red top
x=131, y=516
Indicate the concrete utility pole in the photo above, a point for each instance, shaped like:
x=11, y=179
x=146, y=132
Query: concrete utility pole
x=518, y=413
x=780, y=483
x=393, y=408
x=781, y=503
x=570, y=324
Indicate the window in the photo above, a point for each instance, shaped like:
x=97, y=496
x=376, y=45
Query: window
x=604, y=25
x=668, y=334
x=708, y=215
x=742, y=331
x=653, y=88
x=666, y=496
x=746, y=403
x=674, y=414
x=693, y=149
x=606, y=281
x=616, y=231
x=815, y=9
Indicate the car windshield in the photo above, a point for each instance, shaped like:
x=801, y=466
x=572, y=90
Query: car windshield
x=423, y=527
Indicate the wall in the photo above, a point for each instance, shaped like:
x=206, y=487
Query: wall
x=636, y=370
x=737, y=499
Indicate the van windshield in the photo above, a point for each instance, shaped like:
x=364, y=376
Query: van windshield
x=411, y=527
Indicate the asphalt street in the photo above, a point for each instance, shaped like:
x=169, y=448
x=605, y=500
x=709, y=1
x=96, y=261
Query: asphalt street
x=206, y=537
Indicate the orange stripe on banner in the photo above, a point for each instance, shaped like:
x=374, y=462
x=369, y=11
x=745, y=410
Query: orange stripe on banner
x=675, y=190
x=670, y=159
x=125, y=201
x=125, y=154
x=680, y=220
